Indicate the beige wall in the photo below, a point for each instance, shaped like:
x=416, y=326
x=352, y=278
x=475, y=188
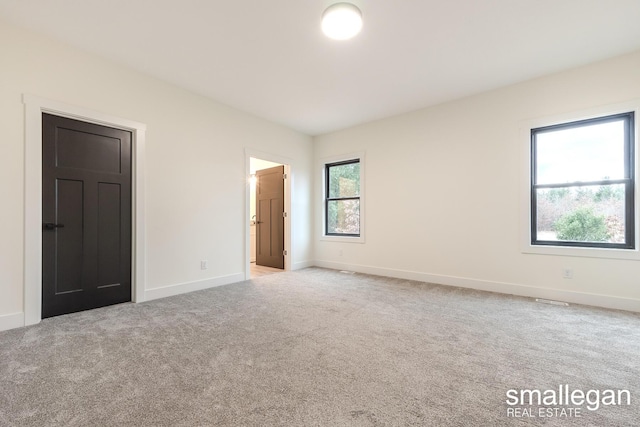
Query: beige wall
x=196, y=179
x=443, y=191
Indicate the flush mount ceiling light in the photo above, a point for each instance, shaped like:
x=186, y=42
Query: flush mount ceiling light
x=341, y=21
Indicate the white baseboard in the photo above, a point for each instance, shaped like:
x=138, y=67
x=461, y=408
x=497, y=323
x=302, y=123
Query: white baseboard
x=606, y=301
x=182, y=288
x=302, y=264
x=11, y=321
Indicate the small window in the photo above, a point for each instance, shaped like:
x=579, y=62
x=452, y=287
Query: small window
x=582, y=183
x=342, y=198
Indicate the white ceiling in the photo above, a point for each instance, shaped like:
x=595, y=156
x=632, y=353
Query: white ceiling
x=269, y=58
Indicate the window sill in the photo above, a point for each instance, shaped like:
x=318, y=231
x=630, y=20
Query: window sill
x=624, y=254
x=343, y=239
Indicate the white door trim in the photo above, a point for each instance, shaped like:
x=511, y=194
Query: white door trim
x=34, y=107
x=288, y=186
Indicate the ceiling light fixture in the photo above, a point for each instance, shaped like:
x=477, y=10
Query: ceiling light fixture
x=341, y=21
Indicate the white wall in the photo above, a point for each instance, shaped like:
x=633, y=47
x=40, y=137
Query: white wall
x=195, y=165
x=443, y=192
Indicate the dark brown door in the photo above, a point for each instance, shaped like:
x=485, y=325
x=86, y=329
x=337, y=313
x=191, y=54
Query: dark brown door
x=270, y=217
x=86, y=214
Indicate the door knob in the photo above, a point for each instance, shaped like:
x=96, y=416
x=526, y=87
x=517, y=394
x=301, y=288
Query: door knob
x=52, y=226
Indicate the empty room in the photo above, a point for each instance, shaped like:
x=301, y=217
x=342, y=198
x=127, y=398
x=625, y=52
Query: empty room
x=320, y=213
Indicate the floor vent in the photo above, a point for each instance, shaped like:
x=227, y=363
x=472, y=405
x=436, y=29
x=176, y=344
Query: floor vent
x=552, y=302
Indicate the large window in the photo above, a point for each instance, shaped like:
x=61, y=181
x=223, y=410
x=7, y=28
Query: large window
x=342, y=198
x=582, y=183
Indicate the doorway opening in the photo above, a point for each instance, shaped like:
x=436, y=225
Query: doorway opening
x=268, y=216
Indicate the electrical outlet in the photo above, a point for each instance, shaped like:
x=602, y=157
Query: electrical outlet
x=340, y=252
x=567, y=273
x=203, y=265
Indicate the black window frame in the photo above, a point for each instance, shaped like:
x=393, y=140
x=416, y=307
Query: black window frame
x=328, y=199
x=628, y=181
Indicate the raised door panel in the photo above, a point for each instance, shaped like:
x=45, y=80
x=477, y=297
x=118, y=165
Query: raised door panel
x=69, y=239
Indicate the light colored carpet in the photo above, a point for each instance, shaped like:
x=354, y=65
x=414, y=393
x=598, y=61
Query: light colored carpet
x=315, y=348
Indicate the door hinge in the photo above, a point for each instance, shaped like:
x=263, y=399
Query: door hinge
x=284, y=176
x=284, y=214
x=284, y=252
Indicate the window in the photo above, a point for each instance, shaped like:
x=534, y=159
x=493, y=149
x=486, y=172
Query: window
x=582, y=183
x=342, y=198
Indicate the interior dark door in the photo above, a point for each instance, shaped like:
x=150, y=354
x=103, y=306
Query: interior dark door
x=270, y=217
x=86, y=214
